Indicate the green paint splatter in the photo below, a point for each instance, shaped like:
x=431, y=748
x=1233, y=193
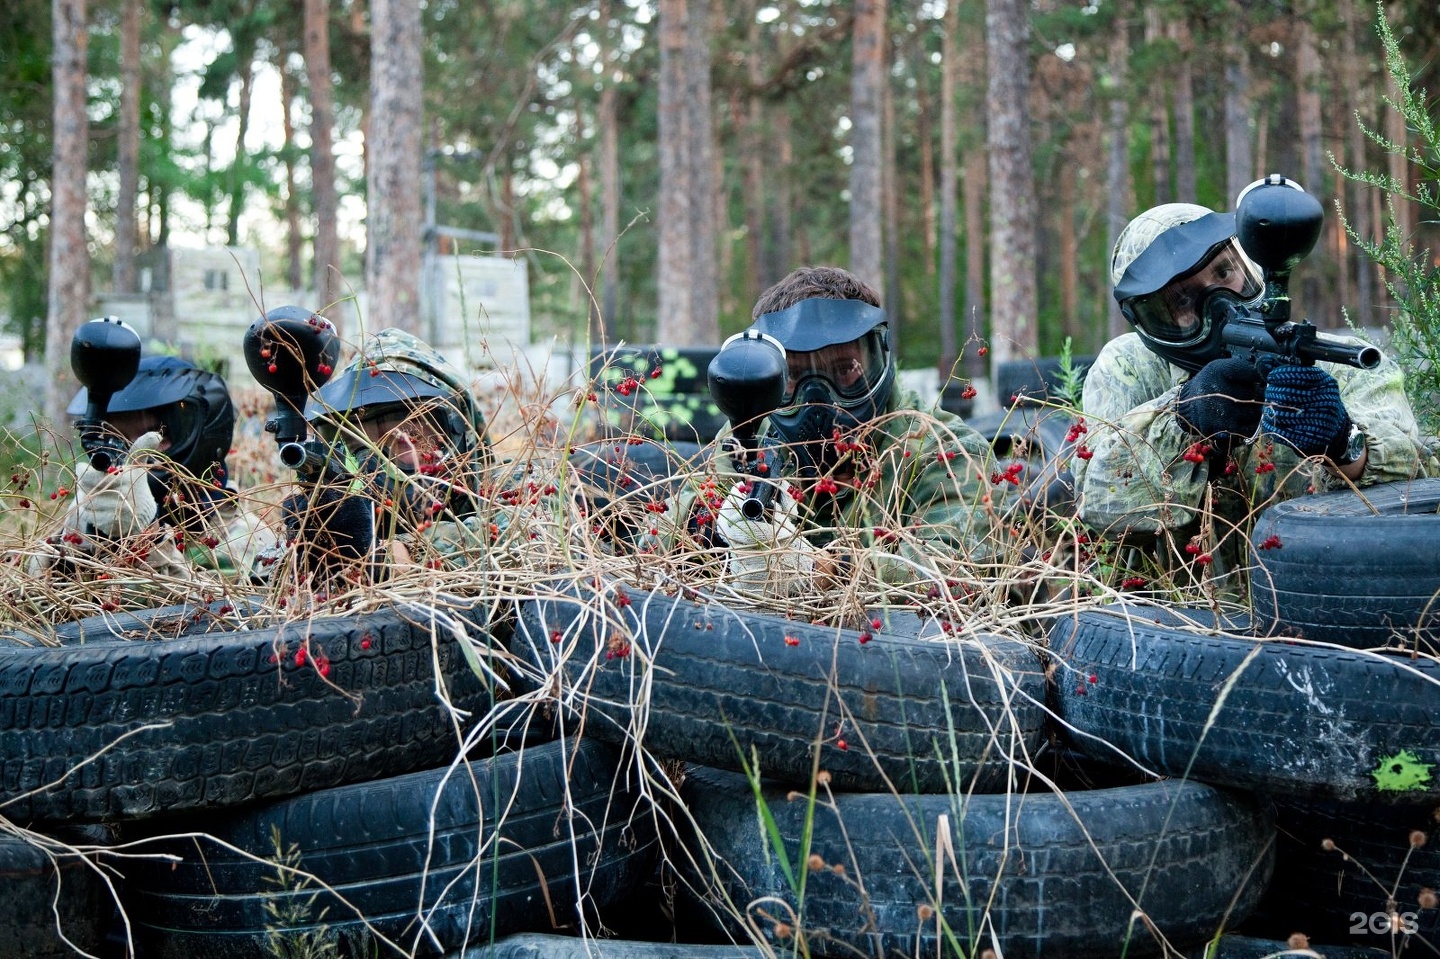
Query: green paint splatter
x=1402, y=772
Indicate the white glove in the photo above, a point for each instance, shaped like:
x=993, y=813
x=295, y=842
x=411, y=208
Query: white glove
x=766, y=554
x=118, y=503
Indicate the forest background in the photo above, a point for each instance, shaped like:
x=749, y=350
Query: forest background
x=973, y=160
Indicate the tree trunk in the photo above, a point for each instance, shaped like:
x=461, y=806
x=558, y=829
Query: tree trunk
x=973, y=322
x=1012, y=194
x=704, y=188
x=1307, y=87
x=1159, y=116
x=865, y=109
x=127, y=146
x=777, y=264
x=246, y=64
x=949, y=184
x=1118, y=208
x=1185, y=185
x=895, y=298
x=1239, y=156
x=594, y=323
x=1357, y=210
x=924, y=125
x=753, y=139
x=392, y=250
x=294, y=240
x=675, y=322
x=324, y=197
x=69, y=280
x=609, y=210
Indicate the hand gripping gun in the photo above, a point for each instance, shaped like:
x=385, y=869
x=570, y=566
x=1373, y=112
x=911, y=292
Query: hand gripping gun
x=747, y=380
x=105, y=355
x=1277, y=224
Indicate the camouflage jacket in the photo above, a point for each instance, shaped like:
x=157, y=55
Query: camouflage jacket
x=1137, y=478
x=921, y=497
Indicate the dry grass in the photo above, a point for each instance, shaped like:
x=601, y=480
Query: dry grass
x=541, y=526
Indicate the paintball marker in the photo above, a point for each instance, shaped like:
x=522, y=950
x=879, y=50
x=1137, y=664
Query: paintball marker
x=292, y=352
x=747, y=379
x=105, y=355
x=1277, y=224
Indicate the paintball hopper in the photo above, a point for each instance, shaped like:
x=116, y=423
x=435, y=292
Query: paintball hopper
x=747, y=379
x=1277, y=223
x=292, y=352
x=104, y=355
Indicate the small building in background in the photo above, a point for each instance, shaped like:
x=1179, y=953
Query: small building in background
x=199, y=303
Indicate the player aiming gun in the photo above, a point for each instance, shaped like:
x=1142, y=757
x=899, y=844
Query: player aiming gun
x=747, y=381
x=292, y=352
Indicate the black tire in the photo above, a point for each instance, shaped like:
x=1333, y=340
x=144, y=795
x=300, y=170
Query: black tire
x=1356, y=569
x=1032, y=382
x=376, y=844
x=719, y=683
x=1193, y=857
x=532, y=945
x=1344, y=894
x=49, y=901
x=243, y=715
x=1293, y=719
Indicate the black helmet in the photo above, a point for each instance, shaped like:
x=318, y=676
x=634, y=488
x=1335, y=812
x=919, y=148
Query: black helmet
x=193, y=406
x=840, y=373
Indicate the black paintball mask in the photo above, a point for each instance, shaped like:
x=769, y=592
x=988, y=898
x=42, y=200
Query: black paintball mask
x=840, y=375
x=1172, y=290
x=192, y=406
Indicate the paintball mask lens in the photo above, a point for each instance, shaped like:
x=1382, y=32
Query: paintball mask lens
x=1172, y=314
x=847, y=372
x=429, y=426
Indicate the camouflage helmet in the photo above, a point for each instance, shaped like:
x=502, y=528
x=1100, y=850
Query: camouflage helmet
x=396, y=367
x=1163, y=267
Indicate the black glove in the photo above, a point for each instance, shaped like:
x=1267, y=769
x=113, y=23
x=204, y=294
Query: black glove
x=1304, y=411
x=1222, y=400
x=330, y=525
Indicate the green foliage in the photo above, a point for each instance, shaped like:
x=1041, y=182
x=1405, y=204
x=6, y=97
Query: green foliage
x=286, y=912
x=1071, y=385
x=1411, y=275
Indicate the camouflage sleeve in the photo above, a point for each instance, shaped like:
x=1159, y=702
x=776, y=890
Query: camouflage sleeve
x=1130, y=472
x=933, y=507
x=1376, y=402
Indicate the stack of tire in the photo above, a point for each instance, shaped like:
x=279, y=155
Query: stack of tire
x=238, y=790
x=881, y=792
x=1326, y=702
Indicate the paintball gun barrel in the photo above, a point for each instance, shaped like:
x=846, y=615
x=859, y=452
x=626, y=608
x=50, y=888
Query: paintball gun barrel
x=747, y=380
x=292, y=352
x=105, y=356
x=1277, y=224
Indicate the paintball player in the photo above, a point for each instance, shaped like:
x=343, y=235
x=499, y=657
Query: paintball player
x=410, y=437
x=865, y=464
x=178, y=421
x=1178, y=427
